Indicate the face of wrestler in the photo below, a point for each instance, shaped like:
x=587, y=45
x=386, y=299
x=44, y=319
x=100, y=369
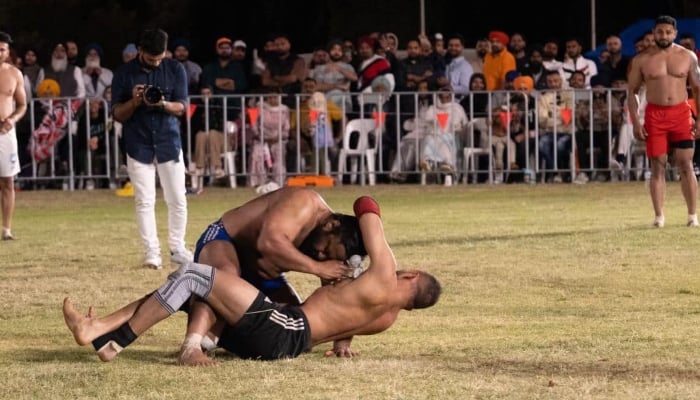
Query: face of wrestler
x=4, y=52
x=664, y=35
x=321, y=245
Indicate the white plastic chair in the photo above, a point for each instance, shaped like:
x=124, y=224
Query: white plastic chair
x=471, y=152
x=361, y=153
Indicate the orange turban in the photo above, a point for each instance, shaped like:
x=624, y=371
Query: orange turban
x=500, y=36
x=524, y=82
x=48, y=88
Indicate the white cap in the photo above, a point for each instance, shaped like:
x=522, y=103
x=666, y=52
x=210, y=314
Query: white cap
x=438, y=36
x=239, y=43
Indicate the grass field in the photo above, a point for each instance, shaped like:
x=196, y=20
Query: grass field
x=550, y=291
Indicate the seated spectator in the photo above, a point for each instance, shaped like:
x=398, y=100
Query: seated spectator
x=207, y=122
x=372, y=66
x=448, y=119
x=96, y=77
x=556, y=126
x=500, y=126
x=411, y=143
x=333, y=78
x=318, y=136
x=90, y=151
x=269, y=147
x=284, y=70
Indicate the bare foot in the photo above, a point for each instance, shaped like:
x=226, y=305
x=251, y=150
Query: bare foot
x=195, y=357
x=77, y=323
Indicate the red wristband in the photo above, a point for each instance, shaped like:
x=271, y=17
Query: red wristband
x=365, y=204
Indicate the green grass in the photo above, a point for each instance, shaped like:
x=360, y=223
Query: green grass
x=550, y=291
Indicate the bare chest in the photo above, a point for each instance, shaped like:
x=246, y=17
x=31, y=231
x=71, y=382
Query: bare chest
x=8, y=83
x=664, y=66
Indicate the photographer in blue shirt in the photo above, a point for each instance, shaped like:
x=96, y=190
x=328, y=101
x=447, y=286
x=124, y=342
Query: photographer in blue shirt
x=149, y=94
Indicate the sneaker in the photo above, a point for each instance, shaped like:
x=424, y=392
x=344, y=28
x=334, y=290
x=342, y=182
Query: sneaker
x=557, y=179
x=181, y=257
x=7, y=235
x=126, y=191
x=581, y=178
x=89, y=184
x=659, y=222
x=693, y=221
x=153, y=262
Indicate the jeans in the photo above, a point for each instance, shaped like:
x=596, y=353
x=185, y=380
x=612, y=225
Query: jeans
x=563, y=149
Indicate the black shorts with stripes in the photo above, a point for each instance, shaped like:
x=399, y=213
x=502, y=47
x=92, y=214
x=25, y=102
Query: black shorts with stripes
x=268, y=331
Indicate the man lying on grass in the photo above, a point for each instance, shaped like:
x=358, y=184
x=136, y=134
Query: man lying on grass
x=261, y=329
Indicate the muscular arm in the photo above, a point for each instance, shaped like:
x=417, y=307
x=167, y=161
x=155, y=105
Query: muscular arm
x=284, y=225
x=694, y=83
x=634, y=84
x=382, y=268
x=20, y=98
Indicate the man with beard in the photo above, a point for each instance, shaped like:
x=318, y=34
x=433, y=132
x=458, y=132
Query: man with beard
x=72, y=52
x=96, y=77
x=550, y=62
x=414, y=68
x=224, y=75
x=617, y=63
x=13, y=105
x=458, y=71
x=181, y=52
x=664, y=70
x=285, y=70
x=69, y=77
x=498, y=62
x=575, y=61
x=482, y=48
x=334, y=77
x=149, y=93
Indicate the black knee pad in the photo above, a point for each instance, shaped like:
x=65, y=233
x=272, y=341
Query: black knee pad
x=683, y=144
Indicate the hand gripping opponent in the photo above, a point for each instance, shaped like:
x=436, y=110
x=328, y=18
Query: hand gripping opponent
x=364, y=205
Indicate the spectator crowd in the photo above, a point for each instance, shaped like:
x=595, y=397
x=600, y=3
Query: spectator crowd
x=544, y=107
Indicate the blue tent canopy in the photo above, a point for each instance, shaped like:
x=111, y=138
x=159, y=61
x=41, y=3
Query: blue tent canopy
x=634, y=31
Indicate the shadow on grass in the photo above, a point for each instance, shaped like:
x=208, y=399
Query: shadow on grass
x=586, y=369
x=536, y=236
x=86, y=354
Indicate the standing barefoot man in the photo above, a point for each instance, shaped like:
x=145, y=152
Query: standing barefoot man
x=666, y=70
x=13, y=105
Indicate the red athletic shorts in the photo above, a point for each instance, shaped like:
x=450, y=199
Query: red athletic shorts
x=666, y=125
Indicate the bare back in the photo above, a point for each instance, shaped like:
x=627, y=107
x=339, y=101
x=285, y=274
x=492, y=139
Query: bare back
x=367, y=305
x=665, y=73
x=290, y=213
x=348, y=308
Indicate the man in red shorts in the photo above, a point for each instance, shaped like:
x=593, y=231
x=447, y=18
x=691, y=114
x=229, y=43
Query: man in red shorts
x=665, y=71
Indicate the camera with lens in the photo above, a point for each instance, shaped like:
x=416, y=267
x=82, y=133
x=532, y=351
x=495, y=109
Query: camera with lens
x=152, y=94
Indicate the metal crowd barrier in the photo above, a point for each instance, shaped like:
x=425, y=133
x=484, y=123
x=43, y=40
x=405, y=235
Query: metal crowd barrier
x=63, y=118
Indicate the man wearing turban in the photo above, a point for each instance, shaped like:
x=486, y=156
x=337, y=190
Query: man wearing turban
x=498, y=62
